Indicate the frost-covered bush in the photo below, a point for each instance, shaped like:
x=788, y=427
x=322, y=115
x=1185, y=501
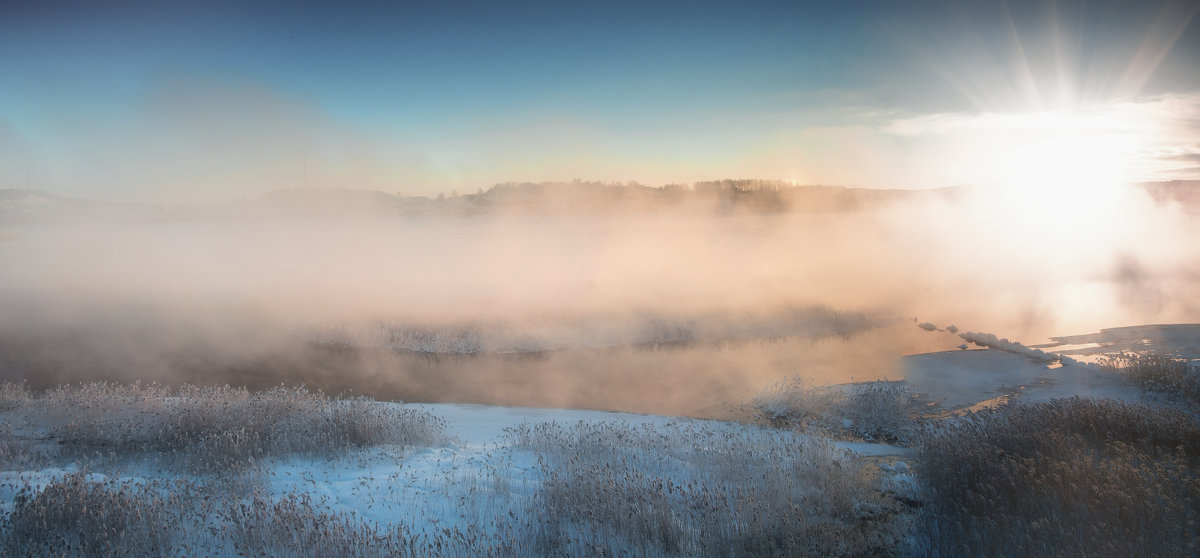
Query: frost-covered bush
x=88, y=515
x=79, y=516
x=876, y=411
x=880, y=411
x=798, y=403
x=16, y=447
x=1171, y=377
x=295, y=525
x=611, y=489
x=18, y=451
x=218, y=437
x=1072, y=477
x=13, y=396
x=212, y=429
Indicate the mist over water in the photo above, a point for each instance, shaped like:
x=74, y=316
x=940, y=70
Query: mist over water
x=673, y=313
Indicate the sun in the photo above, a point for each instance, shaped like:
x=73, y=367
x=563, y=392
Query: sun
x=1054, y=191
x=1062, y=115
x=1071, y=165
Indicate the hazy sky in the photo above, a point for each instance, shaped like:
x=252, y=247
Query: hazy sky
x=210, y=100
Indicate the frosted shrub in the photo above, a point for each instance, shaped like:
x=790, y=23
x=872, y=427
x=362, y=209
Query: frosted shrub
x=1175, y=378
x=212, y=429
x=17, y=451
x=81, y=514
x=333, y=426
x=436, y=340
x=76, y=516
x=612, y=489
x=876, y=411
x=1072, y=477
x=13, y=396
x=296, y=526
x=880, y=411
x=797, y=403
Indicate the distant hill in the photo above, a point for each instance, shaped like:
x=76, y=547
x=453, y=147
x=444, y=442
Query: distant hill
x=18, y=205
x=25, y=205
x=319, y=202
x=549, y=198
x=754, y=196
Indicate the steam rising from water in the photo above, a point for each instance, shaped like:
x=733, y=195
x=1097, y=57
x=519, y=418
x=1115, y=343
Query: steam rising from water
x=659, y=313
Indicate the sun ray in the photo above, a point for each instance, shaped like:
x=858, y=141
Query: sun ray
x=1158, y=42
x=1065, y=64
x=1024, y=82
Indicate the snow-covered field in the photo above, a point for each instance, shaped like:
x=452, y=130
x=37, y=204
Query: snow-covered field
x=488, y=481
x=485, y=479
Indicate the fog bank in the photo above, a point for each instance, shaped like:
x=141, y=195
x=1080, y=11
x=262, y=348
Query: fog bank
x=581, y=310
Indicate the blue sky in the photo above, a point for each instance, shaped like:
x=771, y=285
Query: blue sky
x=204, y=101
